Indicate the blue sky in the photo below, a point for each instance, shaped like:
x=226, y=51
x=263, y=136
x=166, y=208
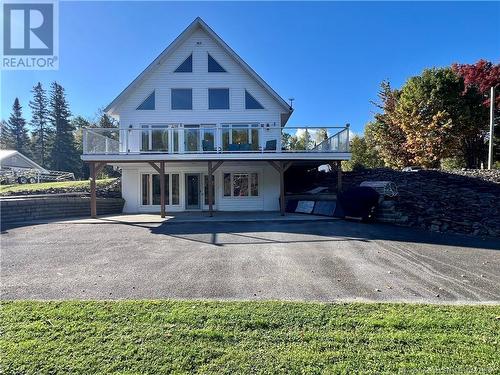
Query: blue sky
x=329, y=56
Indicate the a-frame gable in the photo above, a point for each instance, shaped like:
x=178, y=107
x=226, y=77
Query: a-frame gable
x=198, y=23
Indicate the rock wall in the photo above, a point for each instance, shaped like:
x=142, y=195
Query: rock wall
x=27, y=209
x=458, y=201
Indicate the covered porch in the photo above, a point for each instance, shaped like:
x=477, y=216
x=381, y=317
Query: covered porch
x=162, y=167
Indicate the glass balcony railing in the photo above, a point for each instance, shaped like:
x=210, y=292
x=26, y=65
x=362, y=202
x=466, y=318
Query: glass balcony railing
x=217, y=139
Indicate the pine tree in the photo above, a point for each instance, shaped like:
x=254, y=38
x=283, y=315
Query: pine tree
x=64, y=155
x=42, y=131
x=16, y=128
x=6, y=139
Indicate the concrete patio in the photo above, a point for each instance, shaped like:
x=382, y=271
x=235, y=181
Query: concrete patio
x=187, y=217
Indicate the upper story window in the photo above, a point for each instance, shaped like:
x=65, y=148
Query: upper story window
x=251, y=102
x=214, y=66
x=218, y=98
x=148, y=103
x=186, y=66
x=182, y=99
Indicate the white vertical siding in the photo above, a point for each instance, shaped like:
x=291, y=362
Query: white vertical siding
x=268, y=199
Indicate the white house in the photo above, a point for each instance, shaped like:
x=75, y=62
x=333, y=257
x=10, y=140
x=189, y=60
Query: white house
x=199, y=113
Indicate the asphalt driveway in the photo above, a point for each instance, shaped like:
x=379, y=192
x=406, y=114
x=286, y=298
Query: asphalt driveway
x=317, y=261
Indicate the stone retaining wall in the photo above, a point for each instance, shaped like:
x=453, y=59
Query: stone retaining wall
x=458, y=201
x=26, y=209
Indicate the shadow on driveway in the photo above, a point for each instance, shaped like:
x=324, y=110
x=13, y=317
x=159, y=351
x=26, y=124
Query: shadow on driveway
x=326, y=231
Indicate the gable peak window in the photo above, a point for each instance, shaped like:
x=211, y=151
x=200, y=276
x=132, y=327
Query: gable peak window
x=214, y=66
x=186, y=66
x=148, y=103
x=251, y=102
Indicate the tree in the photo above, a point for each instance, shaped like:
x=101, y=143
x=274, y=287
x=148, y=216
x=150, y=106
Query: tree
x=384, y=133
x=480, y=77
x=42, y=132
x=363, y=156
x=320, y=136
x=78, y=123
x=17, y=130
x=64, y=153
x=6, y=139
x=430, y=118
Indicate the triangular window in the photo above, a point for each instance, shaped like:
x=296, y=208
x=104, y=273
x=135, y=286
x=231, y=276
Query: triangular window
x=251, y=102
x=186, y=66
x=148, y=103
x=214, y=66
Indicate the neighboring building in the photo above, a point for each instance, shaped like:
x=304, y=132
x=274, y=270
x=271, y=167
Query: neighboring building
x=199, y=110
x=12, y=159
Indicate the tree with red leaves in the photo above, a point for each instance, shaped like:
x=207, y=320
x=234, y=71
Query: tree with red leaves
x=482, y=75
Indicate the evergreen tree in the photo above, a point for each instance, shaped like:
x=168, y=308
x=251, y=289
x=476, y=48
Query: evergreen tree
x=6, y=140
x=42, y=131
x=17, y=130
x=64, y=155
x=79, y=123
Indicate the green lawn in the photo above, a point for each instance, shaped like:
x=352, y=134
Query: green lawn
x=158, y=337
x=69, y=186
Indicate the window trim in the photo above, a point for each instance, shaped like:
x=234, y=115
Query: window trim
x=150, y=188
x=172, y=102
x=248, y=173
x=228, y=98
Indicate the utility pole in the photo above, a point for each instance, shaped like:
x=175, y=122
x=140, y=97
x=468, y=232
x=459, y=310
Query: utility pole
x=492, y=124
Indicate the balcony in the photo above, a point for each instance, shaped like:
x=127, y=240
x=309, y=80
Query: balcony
x=224, y=141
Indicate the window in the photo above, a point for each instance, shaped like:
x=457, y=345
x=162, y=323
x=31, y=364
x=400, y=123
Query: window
x=156, y=189
x=236, y=136
x=251, y=102
x=160, y=138
x=145, y=189
x=186, y=66
x=218, y=98
x=182, y=99
x=151, y=189
x=191, y=137
x=148, y=103
x=214, y=66
x=241, y=184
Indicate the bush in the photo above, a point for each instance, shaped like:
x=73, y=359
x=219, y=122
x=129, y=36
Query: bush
x=457, y=162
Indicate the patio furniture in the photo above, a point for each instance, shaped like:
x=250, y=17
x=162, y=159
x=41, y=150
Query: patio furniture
x=271, y=145
x=207, y=145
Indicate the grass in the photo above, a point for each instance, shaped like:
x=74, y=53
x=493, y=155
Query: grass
x=69, y=186
x=153, y=337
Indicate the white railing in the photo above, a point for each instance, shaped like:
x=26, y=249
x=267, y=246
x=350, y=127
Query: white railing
x=217, y=139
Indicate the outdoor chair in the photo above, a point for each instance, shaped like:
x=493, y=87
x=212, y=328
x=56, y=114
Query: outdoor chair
x=271, y=145
x=208, y=145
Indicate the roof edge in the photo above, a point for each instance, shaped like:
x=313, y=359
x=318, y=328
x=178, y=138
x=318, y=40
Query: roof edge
x=198, y=22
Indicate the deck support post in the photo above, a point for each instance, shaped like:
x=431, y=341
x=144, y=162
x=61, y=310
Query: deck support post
x=211, y=185
x=162, y=189
x=282, y=187
x=210, y=188
x=281, y=167
x=93, y=198
x=339, y=176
